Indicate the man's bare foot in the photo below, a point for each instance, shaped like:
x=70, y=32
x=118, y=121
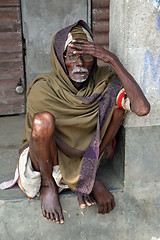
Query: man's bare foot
x=86, y=201
x=103, y=197
x=50, y=204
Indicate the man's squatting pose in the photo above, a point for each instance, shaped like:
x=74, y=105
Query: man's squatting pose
x=73, y=115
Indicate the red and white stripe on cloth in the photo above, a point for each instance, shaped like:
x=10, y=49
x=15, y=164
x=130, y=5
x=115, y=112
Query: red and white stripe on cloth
x=122, y=100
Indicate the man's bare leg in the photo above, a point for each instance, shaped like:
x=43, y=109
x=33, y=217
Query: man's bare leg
x=100, y=193
x=68, y=150
x=43, y=154
x=103, y=197
x=112, y=129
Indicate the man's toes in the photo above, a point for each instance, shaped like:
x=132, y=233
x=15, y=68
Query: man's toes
x=104, y=209
x=61, y=218
x=48, y=215
x=109, y=208
x=87, y=200
x=57, y=218
x=43, y=212
x=52, y=217
x=93, y=201
x=81, y=202
x=100, y=209
x=61, y=221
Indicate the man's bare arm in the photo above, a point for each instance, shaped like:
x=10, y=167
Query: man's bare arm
x=139, y=103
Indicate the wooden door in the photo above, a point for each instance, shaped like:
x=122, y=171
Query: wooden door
x=12, y=94
x=100, y=23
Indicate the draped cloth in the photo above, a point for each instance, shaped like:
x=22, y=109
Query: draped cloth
x=81, y=116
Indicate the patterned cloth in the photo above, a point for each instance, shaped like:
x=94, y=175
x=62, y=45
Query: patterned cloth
x=123, y=101
x=91, y=156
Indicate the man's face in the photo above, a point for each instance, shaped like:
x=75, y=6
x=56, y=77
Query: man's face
x=79, y=70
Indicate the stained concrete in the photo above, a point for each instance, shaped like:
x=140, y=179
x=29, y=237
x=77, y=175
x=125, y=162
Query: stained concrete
x=134, y=38
x=132, y=219
x=136, y=215
x=142, y=153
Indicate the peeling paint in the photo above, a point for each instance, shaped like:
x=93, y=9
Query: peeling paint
x=156, y=4
x=158, y=23
x=154, y=69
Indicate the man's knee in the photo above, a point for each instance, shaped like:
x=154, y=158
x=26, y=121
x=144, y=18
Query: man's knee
x=118, y=115
x=43, y=125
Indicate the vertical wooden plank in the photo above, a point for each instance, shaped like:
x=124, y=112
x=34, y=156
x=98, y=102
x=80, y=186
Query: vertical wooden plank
x=100, y=23
x=9, y=3
x=11, y=58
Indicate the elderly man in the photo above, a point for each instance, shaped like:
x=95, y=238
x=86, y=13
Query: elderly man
x=73, y=114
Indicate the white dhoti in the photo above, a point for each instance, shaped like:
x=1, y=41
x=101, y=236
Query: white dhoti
x=28, y=179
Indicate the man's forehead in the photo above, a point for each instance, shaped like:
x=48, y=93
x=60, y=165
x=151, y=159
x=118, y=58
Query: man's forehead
x=69, y=50
x=77, y=32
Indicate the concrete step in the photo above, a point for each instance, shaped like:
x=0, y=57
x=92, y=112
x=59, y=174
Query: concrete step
x=136, y=215
x=11, y=132
x=132, y=219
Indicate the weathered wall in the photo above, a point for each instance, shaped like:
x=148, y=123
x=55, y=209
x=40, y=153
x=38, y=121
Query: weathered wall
x=135, y=38
x=41, y=20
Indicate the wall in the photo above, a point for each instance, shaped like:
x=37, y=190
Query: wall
x=134, y=38
x=41, y=20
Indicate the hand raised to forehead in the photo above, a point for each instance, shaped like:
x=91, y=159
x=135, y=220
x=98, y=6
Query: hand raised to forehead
x=85, y=47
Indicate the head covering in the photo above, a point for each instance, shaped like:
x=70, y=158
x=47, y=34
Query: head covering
x=59, y=41
x=77, y=33
x=81, y=116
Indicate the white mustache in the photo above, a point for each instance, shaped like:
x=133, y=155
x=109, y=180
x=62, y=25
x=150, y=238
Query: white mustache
x=80, y=70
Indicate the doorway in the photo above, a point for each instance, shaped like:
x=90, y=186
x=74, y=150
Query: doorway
x=12, y=83
x=111, y=172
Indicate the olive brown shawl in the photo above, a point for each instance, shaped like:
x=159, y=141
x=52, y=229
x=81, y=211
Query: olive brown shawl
x=81, y=116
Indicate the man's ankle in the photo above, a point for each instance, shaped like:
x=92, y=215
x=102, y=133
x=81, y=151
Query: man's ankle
x=48, y=183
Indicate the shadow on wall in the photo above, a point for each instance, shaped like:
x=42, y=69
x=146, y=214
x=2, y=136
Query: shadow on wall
x=111, y=172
